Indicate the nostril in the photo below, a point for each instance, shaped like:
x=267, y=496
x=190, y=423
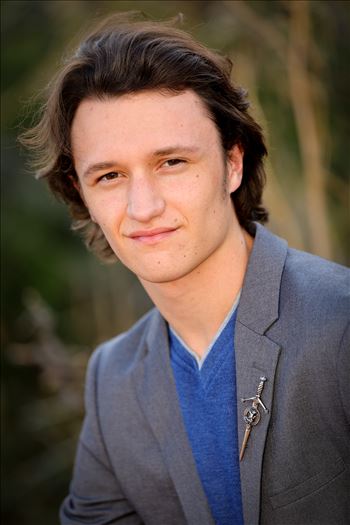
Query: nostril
x=145, y=207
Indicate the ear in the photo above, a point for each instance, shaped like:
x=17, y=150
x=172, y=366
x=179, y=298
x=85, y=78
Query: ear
x=76, y=184
x=234, y=167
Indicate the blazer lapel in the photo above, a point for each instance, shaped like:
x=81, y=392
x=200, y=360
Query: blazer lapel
x=256, y=357
x=157, y=396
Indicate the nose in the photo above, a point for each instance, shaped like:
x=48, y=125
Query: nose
x=145, y=201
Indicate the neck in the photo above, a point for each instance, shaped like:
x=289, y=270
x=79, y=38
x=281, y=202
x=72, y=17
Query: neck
x=196, y=304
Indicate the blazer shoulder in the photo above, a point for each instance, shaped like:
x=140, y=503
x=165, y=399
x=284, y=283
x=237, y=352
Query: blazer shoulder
x=121, y=354
x=316, y=282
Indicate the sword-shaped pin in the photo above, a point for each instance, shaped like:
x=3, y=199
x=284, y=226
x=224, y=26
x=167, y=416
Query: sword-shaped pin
x=252, y=415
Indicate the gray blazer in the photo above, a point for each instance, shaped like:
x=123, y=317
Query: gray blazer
x=134, y=463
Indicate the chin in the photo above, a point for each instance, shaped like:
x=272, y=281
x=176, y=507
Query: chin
x=161, y=275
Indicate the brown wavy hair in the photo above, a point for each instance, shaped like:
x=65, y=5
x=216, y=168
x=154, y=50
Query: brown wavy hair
x=126, y=54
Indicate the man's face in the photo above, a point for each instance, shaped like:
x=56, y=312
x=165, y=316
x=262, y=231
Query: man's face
x=154, y=177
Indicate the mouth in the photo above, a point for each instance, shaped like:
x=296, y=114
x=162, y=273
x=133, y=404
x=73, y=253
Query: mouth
x=152, y=236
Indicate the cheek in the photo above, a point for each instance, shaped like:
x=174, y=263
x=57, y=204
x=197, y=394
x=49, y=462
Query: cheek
x=105, y=209
x=210, y=192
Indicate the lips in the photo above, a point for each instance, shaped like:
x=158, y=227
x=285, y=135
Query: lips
x=151, y=236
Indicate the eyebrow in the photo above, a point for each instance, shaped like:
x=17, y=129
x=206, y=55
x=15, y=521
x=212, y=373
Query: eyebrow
x=100, y=166
x=175, y=149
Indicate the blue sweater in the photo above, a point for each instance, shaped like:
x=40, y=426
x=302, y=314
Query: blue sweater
x=207, y=397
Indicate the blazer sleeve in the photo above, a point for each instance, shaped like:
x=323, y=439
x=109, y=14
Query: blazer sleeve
x=95, y=496
x=343, y=369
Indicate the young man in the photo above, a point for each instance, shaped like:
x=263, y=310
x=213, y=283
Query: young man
x=228, y=402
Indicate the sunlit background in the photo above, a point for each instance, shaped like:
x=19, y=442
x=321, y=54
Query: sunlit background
x=58, y=302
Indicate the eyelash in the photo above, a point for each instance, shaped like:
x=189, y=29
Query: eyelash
x=104, y=177
x=177, y=161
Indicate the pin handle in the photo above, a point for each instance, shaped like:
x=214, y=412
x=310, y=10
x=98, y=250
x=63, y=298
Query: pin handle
x=261, y=386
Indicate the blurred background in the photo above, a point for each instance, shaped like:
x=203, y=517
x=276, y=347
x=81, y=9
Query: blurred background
x=58, y=302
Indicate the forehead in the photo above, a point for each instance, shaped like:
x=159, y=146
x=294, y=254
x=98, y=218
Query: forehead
x=143, y=121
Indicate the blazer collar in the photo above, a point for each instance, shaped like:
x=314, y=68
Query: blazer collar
x=259, y=304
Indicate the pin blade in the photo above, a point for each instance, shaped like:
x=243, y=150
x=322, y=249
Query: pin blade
x=247, y=431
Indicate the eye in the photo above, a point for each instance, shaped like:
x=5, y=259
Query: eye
x=112, y=175
x=173, y=162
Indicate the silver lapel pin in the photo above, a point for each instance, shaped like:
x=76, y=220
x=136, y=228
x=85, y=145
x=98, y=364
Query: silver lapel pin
x=252, y=415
